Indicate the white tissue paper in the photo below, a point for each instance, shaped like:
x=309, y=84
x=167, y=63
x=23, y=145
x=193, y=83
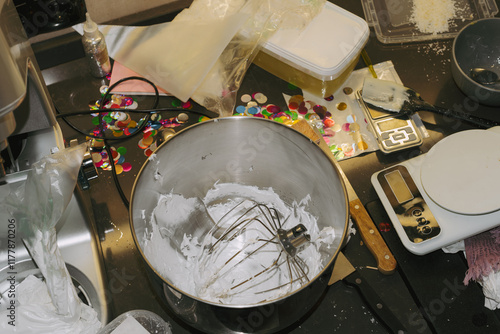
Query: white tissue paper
x=491, y=287
x=38, y=206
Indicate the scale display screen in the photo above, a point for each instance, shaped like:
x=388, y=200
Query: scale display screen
x=393, y=123
x=398, y=186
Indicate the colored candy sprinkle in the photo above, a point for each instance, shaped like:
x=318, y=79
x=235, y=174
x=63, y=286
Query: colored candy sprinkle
x=127, y=101
x=329, y=98
x=302, y=109
x=342, y=106
x=126, y=167
x=362, y=145
x=354, y=127
x=273, y=108
x=329, y=132
x=245, y=98
x=351, y=118
x=328, y=122
x=182, y=118
x=122, y=150
x=147, y=141
x=320, y=110
x=134, y=105
x=347, y=90
x=253, y=110
x=118, y=169
x=260, y=98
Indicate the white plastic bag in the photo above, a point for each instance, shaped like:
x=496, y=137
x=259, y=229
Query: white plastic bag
x=38, y=205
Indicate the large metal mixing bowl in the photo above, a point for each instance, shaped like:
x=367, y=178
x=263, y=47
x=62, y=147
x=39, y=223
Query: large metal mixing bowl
x=247, y=151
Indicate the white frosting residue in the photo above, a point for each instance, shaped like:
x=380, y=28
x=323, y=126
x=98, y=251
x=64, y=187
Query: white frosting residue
x=384, y=94
x=233, y=270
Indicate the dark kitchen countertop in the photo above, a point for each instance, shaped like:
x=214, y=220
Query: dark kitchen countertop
x=431, y=283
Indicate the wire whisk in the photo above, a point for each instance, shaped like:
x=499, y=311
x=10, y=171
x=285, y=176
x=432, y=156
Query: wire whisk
x=250, y=253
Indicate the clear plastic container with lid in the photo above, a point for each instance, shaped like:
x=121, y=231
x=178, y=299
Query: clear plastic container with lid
x=392, y=21
x=320, y=57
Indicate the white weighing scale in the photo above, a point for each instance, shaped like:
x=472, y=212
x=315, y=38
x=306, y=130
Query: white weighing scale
x=446, y=195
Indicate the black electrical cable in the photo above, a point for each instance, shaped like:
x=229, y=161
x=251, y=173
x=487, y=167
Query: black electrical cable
x=124, y=198
x=106, y=140
x=138, y=131
x=136, y=111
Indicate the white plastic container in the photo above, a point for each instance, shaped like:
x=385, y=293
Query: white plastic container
x=320, y=57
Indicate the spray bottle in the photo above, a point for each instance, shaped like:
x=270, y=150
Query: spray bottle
x=95, y=49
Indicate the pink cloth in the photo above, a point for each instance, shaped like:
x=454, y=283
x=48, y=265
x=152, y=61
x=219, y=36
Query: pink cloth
x=496, y=234
x=483, y=254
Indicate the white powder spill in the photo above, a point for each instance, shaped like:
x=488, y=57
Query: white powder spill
x=433, y=16
x=240, y=269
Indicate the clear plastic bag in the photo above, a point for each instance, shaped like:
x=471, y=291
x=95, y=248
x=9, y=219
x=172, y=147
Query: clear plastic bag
x=205, y=51
x=37, y=206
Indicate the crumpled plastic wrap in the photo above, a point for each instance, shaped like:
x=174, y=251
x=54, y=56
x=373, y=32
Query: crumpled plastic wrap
x=205, y=51
x=38, y=205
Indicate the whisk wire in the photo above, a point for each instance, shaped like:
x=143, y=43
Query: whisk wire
x=249, y=230
x=266, y=242
x=258, y=274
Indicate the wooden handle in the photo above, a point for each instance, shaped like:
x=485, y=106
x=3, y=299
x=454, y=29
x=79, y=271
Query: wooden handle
x=386, y=262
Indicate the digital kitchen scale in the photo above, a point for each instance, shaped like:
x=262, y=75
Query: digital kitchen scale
x=446, y=195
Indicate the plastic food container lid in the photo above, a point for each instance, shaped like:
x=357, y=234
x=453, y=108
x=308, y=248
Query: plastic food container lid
x=325, y=47
x=392, y=24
